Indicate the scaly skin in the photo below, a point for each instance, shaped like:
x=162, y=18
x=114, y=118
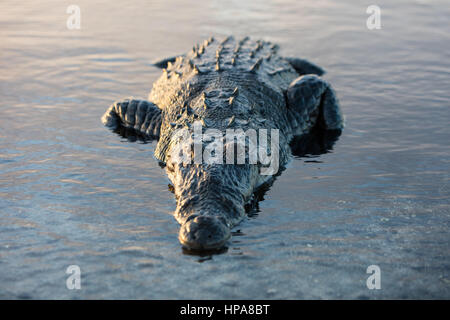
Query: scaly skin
x=232, y=84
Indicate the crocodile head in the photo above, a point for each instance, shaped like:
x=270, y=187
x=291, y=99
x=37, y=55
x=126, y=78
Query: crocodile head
x=214, y=174
x=210, y=200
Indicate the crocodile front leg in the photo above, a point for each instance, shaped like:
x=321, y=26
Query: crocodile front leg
x=312, y=103
x=141, y=115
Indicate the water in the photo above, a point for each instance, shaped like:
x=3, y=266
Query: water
x=74, y=193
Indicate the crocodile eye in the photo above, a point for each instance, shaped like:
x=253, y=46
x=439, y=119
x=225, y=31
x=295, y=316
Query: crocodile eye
x=170, y=167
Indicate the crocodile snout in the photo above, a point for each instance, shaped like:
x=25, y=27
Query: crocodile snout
x=204, y=233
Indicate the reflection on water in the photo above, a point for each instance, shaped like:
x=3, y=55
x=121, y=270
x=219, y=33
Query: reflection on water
x=72, y=192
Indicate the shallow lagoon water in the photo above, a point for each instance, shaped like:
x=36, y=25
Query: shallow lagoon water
x=74, y=193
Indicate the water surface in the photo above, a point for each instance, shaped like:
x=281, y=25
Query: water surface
x=72, y=192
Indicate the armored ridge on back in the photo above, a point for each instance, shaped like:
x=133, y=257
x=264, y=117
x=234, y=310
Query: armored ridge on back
x=232, y=84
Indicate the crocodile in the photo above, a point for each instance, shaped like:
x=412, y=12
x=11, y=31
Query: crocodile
x=236, y=84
